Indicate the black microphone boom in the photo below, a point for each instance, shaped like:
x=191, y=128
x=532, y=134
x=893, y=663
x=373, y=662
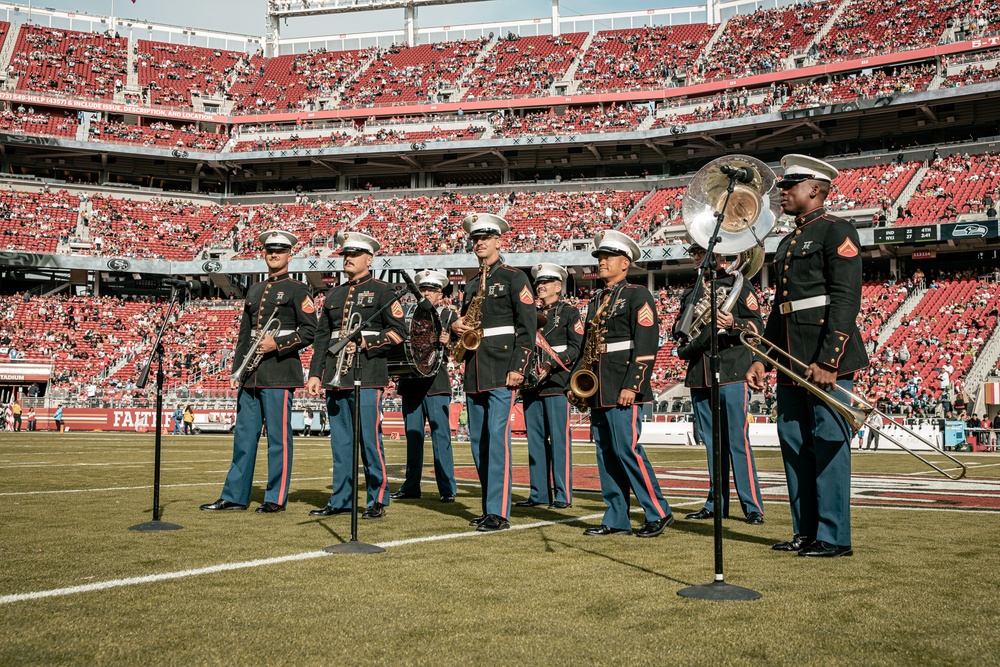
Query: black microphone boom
x=422, y=301
x=192, y=285
x=738, y=174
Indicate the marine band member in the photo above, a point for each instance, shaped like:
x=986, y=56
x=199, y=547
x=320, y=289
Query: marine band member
x=429, y=400
x=734, y=361
x=817, y=299
x=362, y=294
x=495, y=370
x=546, y=408
x=624, y=367
x=266, y=395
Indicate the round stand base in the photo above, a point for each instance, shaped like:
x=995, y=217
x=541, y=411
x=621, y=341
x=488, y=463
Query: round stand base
x=354, y=547
x=152, y=526
x=719, y=591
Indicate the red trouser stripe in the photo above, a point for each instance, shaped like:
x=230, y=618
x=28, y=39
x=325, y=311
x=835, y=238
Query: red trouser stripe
x=642, y=466
x=754, y=493
x=569, y=466
x=285, y=472
x=378, y=448
x=506, y=455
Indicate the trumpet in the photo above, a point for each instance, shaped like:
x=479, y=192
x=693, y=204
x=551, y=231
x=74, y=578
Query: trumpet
x=252, y=359
x=856, y=416
x=345, y=359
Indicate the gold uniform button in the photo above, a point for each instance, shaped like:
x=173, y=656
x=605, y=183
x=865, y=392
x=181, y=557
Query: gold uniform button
x=786, y=267
x=505, y=347
x=784, y=280
x=836, y=349
x=798, y=231
x=822, y=321
x=785, y=293
x=792, y=243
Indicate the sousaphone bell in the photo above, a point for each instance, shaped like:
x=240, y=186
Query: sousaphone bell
x=751, y=213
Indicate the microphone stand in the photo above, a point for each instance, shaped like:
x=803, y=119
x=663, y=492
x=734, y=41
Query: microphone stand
x=718, y=589
x=353, y=546
x=157, y=353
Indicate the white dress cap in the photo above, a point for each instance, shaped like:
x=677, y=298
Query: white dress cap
x=547, y=271
x=277, y=238
x=357, y=242
x=615, y=243
x=429, y=278
x=799, y=168
x=480, y=224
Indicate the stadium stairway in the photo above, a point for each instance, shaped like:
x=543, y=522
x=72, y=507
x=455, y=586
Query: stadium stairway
x=460, y=83
x=7, y=52
x=912, y=187
x=714, y=38
x=347, y=83
x=131, y=72
x=986, y=361
x=568, y=81
x=828, y=26
x=904, y=310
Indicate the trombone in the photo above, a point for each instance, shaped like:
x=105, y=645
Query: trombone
x=855, y=416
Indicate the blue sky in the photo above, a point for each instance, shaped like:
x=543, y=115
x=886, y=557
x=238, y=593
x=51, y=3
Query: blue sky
x=247, y=16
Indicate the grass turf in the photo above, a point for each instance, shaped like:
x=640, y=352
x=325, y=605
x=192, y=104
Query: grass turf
x=922, y=588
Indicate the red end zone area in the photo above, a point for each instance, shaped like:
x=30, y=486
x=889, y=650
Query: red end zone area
x=898, y=491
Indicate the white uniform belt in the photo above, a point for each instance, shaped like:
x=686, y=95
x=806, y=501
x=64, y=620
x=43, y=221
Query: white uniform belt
x=285, y=332
x=798, y=305
x=335, y=335
x=498, y=331
x=617, y=347
x=559, y=348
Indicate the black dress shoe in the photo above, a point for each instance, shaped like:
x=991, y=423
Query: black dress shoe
x=654, y=528
x=603, y=530
x=448, y=499
x=478, y=520
x=755, y=518
x=270, y=508
x=376, y=511
x=794, y=544
x=399, y=495
x=821, y=549
x=492, y=523
x=221, y=504
x=700, y=514
x=329, y=511
x=559, y=505
x=526, y=503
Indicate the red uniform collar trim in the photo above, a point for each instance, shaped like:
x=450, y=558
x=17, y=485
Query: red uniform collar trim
x=806, y=218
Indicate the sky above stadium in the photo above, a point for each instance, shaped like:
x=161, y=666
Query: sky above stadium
x=247, y=16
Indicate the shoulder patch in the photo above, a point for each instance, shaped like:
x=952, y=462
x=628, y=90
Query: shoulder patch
x=578, y=327
x=847, y=249
x=308, y=305
x=646, y=317
x=752, y=302
x=526, y=296
x=397, y=310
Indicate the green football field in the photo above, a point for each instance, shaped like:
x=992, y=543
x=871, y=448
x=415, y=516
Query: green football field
x=240, y=588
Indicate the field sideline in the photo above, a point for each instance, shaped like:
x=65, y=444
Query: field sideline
x=77, y=587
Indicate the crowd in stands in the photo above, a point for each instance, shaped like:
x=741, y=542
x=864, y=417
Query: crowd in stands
x=408, y=75
x=37, y=221
x=736, y=104
x=41, y=123
x=870, y=187
x=641, y=58
x=762, y=41
x=973, y=74
x=523, y=66
x=956, y=184
x=874, y=27
x=158, y=133
x=67, y=62
x=850, y=87
x=615, y=118
x=172, y=73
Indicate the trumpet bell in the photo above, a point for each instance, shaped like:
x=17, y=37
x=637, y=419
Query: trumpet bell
x=753, y=210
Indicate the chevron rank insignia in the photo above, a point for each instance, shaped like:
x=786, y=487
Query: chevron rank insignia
x=308, y=306
x=646, y=316
x=397, y=310
x=847, y=249
x=752, y=302
x=578, y=327
x=526, y=296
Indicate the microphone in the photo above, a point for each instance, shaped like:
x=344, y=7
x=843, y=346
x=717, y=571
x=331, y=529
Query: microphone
x=192, y=285
x=422, y=302
x=738, y=174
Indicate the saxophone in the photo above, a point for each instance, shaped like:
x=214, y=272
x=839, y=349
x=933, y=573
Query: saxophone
x=473, y=317
x=583, y=382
